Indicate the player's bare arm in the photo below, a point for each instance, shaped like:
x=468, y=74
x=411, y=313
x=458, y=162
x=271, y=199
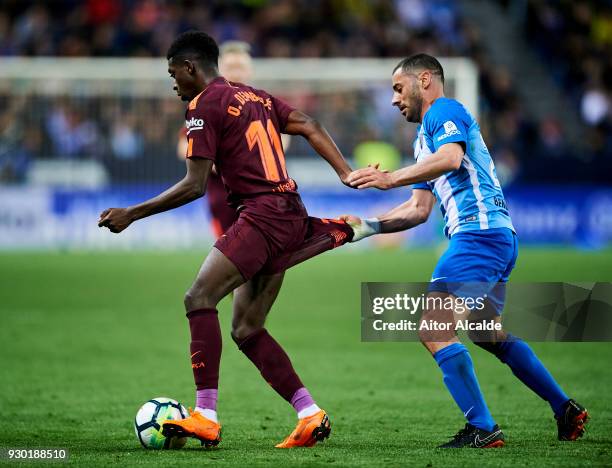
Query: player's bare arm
x=191, y=187
x=409, y=214
x=299, y=123
x=447, y=158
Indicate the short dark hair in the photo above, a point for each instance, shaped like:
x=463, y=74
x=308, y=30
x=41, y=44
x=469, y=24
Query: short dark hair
x=421, y=62
x=195, y=44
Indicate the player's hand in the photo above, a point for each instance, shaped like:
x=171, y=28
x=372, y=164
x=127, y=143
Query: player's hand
x=345, y=181
x=344, y=178
x=370, y=176
x=115, y=219
x=361, y=227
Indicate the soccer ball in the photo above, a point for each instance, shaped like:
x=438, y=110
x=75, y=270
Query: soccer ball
x=149, y=419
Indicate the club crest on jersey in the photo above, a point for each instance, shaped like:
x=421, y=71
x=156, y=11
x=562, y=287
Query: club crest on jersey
x=194, y=124
x=450, y=129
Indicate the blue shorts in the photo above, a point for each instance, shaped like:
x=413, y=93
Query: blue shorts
x=477, y=264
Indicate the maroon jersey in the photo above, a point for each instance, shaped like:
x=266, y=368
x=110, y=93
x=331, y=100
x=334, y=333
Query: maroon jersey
x=238, y=127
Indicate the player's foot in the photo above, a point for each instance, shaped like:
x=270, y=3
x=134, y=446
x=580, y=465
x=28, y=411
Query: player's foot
x=197, y=426
x=571, y=423
x=471, y=436
x=308, y=431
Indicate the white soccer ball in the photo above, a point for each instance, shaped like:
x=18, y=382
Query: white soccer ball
x=149, y=419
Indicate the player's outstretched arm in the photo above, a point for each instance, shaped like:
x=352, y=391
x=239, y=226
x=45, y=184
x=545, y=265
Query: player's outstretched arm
x=447, y=158
x=405, y=216
x=299, y=123
x=191, y=187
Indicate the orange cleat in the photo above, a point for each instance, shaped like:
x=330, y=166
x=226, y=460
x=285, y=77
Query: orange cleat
x=308, y=431
x=197, y=426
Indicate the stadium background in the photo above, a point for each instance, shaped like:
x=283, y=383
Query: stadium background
x=91, y=323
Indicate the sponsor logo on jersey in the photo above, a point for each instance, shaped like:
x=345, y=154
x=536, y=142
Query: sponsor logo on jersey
x=450, y=129
x=500, y=202
x=194, y=124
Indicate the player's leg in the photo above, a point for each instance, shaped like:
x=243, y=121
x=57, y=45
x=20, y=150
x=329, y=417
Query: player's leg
x=322, y=235
x=465, y=271
x=437, y=333
x=236, y=257
x=527, y=367
x=217, y=277
x=252, y=303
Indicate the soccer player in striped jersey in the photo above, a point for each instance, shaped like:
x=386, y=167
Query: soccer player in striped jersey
x=455, y=169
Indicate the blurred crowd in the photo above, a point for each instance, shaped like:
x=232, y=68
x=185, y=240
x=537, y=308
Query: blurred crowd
x=574, y=39
x=275, y=28
x=119, y=132
x=122, y=133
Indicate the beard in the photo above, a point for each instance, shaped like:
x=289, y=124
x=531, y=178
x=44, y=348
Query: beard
x=416, y=104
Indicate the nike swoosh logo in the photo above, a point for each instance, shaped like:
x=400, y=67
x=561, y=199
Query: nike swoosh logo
x=478, y=442
x=438, y=278
x=194, y=354
x=468, y=412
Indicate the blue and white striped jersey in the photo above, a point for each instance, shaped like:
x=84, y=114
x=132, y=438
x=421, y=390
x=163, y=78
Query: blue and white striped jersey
x=470, y=197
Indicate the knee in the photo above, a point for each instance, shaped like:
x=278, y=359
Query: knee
x=427, y=340
x=189, y=300
x=492, y=343
x=196, y=297
x=424, y=336
x=242, y=329
x=434, y=330
x=492, y=347
x=480, y=338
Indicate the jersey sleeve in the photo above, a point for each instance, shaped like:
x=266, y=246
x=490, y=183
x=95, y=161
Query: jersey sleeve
x=448, y=124
x=204, y=125
x=421, y=186
x=282, y=111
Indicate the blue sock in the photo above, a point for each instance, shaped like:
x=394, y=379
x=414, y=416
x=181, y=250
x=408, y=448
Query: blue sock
x=459, y=377
x=530, y=370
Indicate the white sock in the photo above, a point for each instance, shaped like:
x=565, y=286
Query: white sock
x=208, y=414
x=312, y=409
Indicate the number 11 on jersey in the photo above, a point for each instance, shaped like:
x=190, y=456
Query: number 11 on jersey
x=266, y=138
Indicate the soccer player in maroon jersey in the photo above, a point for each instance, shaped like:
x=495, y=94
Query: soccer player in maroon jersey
x=235, y=64
x=237, y=128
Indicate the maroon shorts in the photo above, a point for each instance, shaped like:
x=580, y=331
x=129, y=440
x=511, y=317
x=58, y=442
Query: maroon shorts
x=223, y=215
x=269, y=246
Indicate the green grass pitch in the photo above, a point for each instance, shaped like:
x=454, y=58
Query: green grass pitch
x=86, y=338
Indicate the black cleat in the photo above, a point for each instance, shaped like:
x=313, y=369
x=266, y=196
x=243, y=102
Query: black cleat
x=571, y=423
x=471, y=436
